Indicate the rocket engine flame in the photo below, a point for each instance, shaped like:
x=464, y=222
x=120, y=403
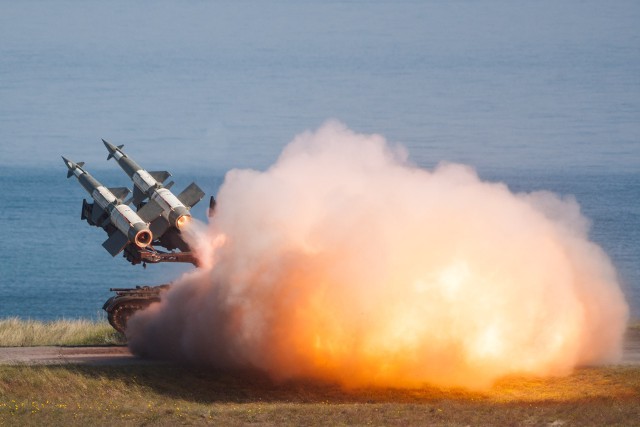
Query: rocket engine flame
x=182, y=222
x=345, y=262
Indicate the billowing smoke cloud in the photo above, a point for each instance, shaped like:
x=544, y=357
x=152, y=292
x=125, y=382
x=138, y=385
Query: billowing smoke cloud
x=345, y=262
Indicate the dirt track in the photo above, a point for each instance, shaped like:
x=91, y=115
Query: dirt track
x=122, y=356
x=63, y=355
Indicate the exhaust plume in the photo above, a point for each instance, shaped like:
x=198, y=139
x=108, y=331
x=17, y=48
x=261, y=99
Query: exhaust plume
x=343, y=261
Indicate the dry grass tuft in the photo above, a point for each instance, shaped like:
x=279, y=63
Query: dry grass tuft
x=15, y=332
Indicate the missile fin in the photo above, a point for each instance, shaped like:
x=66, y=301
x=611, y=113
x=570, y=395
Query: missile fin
x=169, y=185
x=191, y=195
x=172, y=239
x=120, y=192
x=86, y=208
x=160, y=176
x=88, y=213
x=96, y=213
x=138, y=196
x=159, y=226
x=115, y=243
x=150, y=211
x=212, y=207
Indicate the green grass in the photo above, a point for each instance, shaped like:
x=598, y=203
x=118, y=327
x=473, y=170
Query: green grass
x=163, y=394
x=15, y=332
x=166, y=394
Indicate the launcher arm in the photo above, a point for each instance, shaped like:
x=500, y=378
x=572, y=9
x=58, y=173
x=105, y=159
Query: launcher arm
x=137, y=255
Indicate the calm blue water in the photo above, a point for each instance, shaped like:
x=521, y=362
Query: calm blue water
x=541, y=95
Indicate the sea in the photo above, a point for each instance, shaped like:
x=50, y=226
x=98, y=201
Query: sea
x=539, y=95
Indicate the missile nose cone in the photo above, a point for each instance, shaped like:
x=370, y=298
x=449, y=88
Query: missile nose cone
x=68, y=162
x=70, y=165
x=112, y=149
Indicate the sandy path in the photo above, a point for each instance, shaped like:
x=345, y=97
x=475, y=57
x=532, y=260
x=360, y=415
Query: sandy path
x=122, y=356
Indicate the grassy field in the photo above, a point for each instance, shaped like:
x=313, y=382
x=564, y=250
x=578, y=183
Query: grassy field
x=162, y=394
x=27, y=333
x=166, y=394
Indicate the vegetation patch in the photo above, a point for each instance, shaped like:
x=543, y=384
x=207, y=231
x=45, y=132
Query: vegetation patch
x=166, y=394
x=15, y=332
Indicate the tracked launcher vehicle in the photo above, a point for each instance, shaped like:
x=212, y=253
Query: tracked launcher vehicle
x=127, y=301
x=153, y=217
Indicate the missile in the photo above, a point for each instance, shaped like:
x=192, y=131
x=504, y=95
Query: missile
x=212, y=207
x=164, y=209
x=123, y=225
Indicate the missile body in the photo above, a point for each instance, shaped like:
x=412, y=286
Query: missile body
x=163, y=209
x=123, y=225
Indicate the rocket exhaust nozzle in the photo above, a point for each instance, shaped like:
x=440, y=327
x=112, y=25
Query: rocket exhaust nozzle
x=143, y=238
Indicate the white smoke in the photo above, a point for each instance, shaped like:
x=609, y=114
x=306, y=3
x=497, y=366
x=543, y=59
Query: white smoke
x=346, y=262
